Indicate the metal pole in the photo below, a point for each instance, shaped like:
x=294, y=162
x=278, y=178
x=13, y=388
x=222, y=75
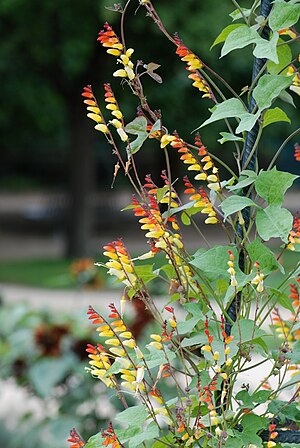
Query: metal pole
x=251, y=137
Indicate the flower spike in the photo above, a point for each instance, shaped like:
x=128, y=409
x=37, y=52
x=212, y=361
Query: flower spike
x=75, y=439
x=94, y=112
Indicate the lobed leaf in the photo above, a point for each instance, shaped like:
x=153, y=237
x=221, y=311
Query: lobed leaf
x=269, y=88
x=274, y=115
x=272, y=185
x=283, y=15
x=265, y=257
x=236, y=203
x=239, y=38
x=274, y=222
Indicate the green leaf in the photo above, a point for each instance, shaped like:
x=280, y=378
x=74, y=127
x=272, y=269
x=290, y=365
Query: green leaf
x=137, y=127
x=173, y=211
x=133, y=416
x=283, y=15
x=247, y=122
x=275, y=115
x=160, y=192
x=164, y=441
x=95, y=441
x=239, y=38
x=227, y=137
x=294, y=356
x=157, y=357
x=226, y=31
x=273, y=222
x=146, y=434
x=284, y=54
x=247, y=178
x=198, y=339
x=186, y=215
x=267, y=49
x=145, y=272
x=265, y=257
x=228, y=109
x=188, y=325
x=282, y=299
x=261, y=396
x=48, y=372
x=272, y=185
x=213, y=262
x=235, y=203
x=193, y=308
x=246, y=330
x=289, y=411
x=125, y=434
x=251, y=425
x=236, y=14
x=287, y=98
x=269, y=88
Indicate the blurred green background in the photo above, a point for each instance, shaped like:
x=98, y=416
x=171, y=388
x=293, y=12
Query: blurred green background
x=56, y=203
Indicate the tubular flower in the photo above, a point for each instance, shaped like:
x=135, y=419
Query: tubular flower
x=281, y=326
x=294, y=235
x=120, y=263
x=75, y=439
x=231, y=269
x=258, y=279
x=288, y=32
x=120, y=341
x=206, y=170
x=99, y=362
x=295, y=87
x=194, y=64
x=113, y=106
x=110, y=437
x=109, y=39
x=161, y=237
x=202, y=201
x=297, y=152
x=295, y=293
x=166, y=139
x=94, y=113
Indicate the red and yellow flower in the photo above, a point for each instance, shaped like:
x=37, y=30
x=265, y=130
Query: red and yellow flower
x=75, y=439
x=205, y=168
x=294, y=235
x=202, y=201
x=110, y=40
x=113, y=106
x=94, y=112
x=194, y=64
x=120, y=263
x=297, y=152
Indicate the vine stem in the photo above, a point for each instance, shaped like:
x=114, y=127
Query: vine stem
x=282, y=147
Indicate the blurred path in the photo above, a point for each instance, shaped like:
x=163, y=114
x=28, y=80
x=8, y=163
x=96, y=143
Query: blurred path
x=63, y=300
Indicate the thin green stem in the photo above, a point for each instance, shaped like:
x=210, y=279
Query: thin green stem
x=240, y=9
x=292, y=135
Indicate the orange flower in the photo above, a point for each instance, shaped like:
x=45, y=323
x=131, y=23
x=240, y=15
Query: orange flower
x=202, y=200
x=110, y=40
x=205, y=168
x=75, y=439
x=294, y=235
x=297, y=152
x=94, y=112
x=194, y=64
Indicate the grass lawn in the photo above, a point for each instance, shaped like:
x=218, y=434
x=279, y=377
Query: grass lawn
x=43, y=273
x=55, y=273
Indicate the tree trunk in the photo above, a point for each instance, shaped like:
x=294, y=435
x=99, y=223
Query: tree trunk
x=82, y=181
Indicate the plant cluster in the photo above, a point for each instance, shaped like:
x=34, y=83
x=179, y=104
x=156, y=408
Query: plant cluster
x=228, y=311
